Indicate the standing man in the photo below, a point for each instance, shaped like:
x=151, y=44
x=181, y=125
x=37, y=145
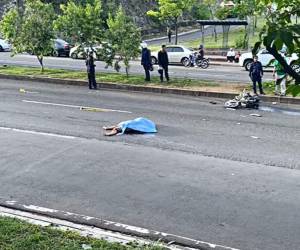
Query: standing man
x=280, y=78
x=256, y=73
x=163, y=63
x=169, y=32
x=90, y=66
x=146, y=61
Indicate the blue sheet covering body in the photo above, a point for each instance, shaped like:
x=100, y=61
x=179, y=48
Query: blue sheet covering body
x=140, y=124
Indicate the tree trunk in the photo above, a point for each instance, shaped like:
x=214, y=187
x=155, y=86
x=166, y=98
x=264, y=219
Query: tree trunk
x=40, y=59
x=288, y=69
x=176, y=31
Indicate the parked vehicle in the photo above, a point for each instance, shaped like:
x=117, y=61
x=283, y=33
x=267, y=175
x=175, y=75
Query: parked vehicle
x=266, y=60
x=4, y=46
x=78, y=52
x=176, y=54
x=61, y=48
x=193, y=60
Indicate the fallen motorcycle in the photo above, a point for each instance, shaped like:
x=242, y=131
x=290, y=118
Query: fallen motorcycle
x=244, y=100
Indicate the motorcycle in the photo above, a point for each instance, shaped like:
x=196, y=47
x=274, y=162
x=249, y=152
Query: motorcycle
x=195, y=60
x=244, y=100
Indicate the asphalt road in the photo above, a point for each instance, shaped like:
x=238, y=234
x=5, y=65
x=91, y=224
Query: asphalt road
x=216, y=175
x=215, y=73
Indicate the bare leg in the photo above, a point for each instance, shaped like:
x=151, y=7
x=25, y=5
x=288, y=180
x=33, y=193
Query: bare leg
x=109, y=128
x=114, y=131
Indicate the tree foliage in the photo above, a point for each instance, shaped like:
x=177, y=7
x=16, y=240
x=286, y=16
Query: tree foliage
x=81, y=23
x=171, y=10
x=281, y=30
x=124, y=37
x=31, y=30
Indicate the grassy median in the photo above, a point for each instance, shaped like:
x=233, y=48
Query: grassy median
x=120, y=78
x=19, y=235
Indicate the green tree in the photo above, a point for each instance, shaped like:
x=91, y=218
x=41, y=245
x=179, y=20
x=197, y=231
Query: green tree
x=281, y=30
x=31, y=31
x=171, y=10
x=124, y=37
x=81, y=23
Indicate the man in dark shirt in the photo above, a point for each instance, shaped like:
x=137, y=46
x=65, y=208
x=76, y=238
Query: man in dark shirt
x=256, y=73
x=163, y=63
x=90, y=66
x=146, y=61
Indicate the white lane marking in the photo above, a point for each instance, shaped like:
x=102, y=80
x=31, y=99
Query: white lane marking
x=38, y=133
x=76, y=106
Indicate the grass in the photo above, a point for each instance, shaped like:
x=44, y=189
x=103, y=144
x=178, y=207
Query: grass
x=19, y=235
x=105, y=77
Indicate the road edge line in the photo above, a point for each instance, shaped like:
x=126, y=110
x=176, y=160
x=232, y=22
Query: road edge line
x=113, y=226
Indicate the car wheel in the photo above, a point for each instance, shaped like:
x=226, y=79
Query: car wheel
x=74, y=56
x=247, y=64
x=1, y=49
x=296, y=67
x=55, y=53
x=153, y=60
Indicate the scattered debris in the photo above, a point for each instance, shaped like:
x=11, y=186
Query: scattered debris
x=213, y=102
x=86, y=247
x=21, y=90
x=92, y=109
x=238, y=123
x=230, y=108
x=244, y=100
x=254, y=137
x=256, y=115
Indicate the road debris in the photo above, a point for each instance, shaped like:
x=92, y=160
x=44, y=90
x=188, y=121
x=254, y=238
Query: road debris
x=256, y=115
x=213, y=102
x=21, y=90
x=254, y=137
x=93, y=109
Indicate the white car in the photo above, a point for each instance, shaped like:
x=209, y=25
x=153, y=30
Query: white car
x=77, y=53
x=266, y=60
x=4, y=46
x=176, y=54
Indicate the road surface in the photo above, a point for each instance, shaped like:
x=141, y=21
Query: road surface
x=215, y=73
x=212, y=174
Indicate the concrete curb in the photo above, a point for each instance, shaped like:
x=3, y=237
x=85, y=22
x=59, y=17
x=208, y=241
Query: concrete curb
x=150, y=89
x=113, y=226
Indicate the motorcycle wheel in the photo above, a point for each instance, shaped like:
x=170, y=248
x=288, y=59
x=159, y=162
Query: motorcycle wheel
x=186, y=62
x=204, y=64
